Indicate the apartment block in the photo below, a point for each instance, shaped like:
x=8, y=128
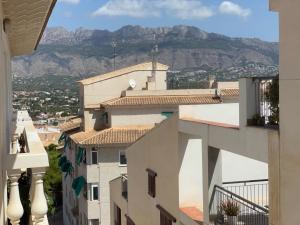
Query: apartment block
x=117, y=109
x=182, y=170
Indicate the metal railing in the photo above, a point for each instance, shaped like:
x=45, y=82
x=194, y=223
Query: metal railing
x=249, y=213
x=266, y=94
x=256, y=191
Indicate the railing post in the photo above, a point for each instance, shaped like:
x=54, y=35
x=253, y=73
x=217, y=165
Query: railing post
x=39, y=206
x=14, y=208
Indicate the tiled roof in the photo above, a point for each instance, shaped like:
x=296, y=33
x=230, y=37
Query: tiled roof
x=71, y=124
x=111, y=136
x=230, y=92
x=193, y=212
x=161, y=100
x=139, y=67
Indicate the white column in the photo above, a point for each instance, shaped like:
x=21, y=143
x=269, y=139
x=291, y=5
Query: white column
x=14, y=207
x=39, y=206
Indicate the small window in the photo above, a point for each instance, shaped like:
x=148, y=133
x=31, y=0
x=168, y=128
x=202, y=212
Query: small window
x=94, y=156
x=167, y=114
x=85, y=195
x=122, y=158
x=164, y=220
x=105, y=117
x=129, y=221
x=117, y=215
x=84, y=156
x=94, y=222
x=165, y=217
x=94, y=192
x=151, y=182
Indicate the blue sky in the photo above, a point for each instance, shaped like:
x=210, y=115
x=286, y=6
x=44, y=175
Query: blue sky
x=235, y=18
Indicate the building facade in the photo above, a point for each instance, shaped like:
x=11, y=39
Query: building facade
x=175, y=170
x=117, y=109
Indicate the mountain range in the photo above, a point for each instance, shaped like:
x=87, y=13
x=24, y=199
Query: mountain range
x=85, y=52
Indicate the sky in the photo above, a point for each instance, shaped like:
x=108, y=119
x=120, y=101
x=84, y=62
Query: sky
x=234, y=18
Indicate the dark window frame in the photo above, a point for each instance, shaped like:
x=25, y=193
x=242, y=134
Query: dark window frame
x=151, y=182
x=122, y=156
x=93, y=151
x=165, y=217
x=129, y=221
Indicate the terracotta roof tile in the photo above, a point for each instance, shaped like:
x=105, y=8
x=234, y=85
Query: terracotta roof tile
x=147, y=66
x=71, y=124
x=230, y=92
x=161, y=100
x=193, y=212
x=116, y=135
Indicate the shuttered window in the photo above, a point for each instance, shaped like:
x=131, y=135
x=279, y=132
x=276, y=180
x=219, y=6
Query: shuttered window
x=151, y=182
x=117, y=215
x=165, y=217
x=129, y=221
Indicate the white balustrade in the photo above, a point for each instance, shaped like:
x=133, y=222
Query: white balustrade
x=14, y=208
x=39, y=206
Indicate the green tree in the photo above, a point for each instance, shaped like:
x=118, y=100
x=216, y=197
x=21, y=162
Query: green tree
x=52, y=180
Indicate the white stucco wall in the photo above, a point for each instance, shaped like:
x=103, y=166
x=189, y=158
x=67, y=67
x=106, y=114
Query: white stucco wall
x=222, y=113
x=5, y=113
x=138, y=116
x=190, y=175
x=242, y=169
x=112, y=88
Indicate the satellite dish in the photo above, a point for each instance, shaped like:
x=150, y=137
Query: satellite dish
x=132, y=83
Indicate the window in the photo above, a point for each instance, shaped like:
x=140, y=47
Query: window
x=94, y=192
x=85, y=191
x=117, y=215
x=167, y=114
x=151, y=182
x=122, y=158
x=94, y=156
x=105, y=118
x=94, y=222
x=129, y=221
x=84, y=156
x=165, y=217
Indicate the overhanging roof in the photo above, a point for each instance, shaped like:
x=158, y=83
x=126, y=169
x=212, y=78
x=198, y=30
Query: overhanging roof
x=27, y=22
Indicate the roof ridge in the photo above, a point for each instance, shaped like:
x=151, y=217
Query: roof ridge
x=120, y=72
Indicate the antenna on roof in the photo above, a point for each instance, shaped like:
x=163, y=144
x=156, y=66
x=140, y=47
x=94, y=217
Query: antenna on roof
x=154, y=58
x=114, y=45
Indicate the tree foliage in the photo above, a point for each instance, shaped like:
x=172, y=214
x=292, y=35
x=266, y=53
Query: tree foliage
x=52, y=180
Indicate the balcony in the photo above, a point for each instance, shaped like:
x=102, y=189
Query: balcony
x=27, y=154
x=260, y=99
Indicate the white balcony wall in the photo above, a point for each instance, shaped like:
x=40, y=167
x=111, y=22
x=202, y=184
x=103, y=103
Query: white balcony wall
x=5, y=112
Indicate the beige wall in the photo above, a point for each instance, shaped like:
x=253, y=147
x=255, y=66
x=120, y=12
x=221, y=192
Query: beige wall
x=138, y=116
x=190, y=176
x=160, y=156
x=93, y=119
x=107, y=169
x=5, y=113
x=112, y=88
x=289, y=83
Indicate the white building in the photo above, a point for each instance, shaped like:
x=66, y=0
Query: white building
x=114, y=117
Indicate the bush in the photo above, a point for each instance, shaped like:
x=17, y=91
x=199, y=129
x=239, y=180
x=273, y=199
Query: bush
x=230, y=208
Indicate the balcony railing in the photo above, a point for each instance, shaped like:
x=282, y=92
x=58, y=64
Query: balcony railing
x=242, y=211
x=27, y=153
x=266, y=102
x=256, y=191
